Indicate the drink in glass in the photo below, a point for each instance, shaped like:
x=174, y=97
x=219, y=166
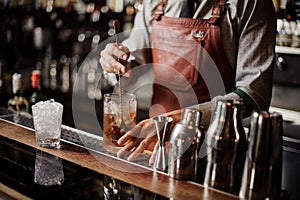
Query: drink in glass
x=119, y=116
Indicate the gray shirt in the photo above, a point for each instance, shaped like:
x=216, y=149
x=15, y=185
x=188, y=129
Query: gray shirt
x=248, y=36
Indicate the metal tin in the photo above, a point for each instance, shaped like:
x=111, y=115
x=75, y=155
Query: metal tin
x=263, y=165
x=183, y=146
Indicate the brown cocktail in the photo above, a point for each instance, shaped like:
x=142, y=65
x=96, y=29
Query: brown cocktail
x=119, y=116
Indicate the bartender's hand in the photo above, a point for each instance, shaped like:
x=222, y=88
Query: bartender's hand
x=143, y=137
x=109, y=55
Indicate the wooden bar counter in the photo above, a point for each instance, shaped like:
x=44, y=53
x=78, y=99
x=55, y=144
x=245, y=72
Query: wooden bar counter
x=88, y=162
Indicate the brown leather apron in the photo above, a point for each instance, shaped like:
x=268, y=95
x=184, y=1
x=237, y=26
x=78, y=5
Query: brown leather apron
x=183, y=50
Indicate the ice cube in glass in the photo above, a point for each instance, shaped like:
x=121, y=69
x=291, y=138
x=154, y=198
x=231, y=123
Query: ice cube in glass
x=47, y=120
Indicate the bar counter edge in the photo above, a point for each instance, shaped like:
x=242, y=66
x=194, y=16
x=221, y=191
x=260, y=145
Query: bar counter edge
x=130, y=173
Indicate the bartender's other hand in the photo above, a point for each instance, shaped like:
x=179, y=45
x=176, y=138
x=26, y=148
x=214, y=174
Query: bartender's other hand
x=143, y=137
x=138, y=139
x=108, y=58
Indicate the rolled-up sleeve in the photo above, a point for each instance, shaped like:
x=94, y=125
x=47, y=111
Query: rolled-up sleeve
x=138, y=41
x=256, y=51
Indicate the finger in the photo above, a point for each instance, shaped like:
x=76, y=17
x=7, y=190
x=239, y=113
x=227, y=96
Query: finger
x=130, y=145
x=129, y=135
x=141, y=147
x=126, y=52
x=148, y=128
x=145, y=129
x=109, y=55
x=109, y=63
x=118, y=51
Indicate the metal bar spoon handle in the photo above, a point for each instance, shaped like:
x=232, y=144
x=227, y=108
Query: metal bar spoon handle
x=122, y=123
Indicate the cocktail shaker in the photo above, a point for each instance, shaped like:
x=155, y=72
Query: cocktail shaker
x=183, y=145
x=263, y=165
x=226, y=141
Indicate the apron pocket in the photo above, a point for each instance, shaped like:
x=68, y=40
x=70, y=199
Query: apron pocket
x=175, y=63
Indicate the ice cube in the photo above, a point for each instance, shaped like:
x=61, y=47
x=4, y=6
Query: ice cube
x=47, y=116
x=111, y=108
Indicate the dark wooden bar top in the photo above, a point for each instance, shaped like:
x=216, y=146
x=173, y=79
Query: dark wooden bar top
x=122, y=170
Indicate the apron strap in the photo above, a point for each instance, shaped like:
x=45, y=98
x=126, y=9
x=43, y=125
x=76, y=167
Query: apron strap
x=217, y=11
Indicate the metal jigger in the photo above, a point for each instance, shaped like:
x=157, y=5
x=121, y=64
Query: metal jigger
x=162, y=125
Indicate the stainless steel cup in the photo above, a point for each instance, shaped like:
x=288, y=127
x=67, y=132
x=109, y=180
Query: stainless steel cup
x=263, y=165
x=183, y=148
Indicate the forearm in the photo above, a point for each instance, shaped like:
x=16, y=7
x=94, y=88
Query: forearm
x=208, y=108
x=256, y=52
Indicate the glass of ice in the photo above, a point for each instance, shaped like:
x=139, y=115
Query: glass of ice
x=47, y=119
x=119, y=116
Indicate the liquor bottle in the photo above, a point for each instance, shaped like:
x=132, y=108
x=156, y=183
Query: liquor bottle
x=17, y=102
x=37, y=95
x=224, y=140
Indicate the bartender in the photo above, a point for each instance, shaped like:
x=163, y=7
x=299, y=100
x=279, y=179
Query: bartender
x=201, y=51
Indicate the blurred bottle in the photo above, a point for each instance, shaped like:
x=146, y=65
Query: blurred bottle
x=9, y=41
x=74, y=73
x=131, y=7
x=115, y=5
x=281, y=8
x=37, y=94
x=17, y=102
x=297, y=8
x=65, y=63
x=53, y=74
x=277, y=8
x=4, y=96
x=263, y=166
x=226, y=139
x=296, y=35
x=285, y=34
x=183, y=146
x=290, y=14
